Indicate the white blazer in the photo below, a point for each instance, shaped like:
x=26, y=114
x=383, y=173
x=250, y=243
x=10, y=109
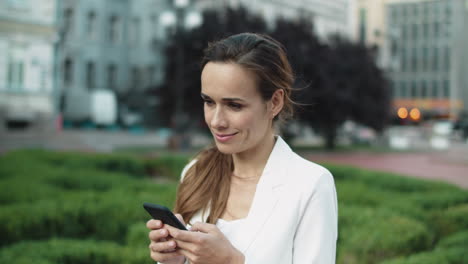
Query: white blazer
x=293, y=217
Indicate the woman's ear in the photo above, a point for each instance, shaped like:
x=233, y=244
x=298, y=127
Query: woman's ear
x=277, y=102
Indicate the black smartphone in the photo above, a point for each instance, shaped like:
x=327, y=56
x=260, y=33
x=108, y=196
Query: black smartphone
x=163, y=213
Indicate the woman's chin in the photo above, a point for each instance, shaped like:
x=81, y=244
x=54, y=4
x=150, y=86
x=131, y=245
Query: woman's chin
x=225, y=149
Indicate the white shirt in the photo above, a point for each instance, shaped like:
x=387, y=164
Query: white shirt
x=294, y=214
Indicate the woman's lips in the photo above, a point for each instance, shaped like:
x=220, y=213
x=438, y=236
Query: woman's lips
x=224, y=137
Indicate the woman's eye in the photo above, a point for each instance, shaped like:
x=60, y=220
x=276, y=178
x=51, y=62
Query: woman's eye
x=208, y=102
x=235, y=106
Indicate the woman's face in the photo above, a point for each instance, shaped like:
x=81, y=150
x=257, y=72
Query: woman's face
x=238, y=117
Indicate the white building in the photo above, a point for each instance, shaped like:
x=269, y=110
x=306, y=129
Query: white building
x=27, y=35
x=111, y=45
x=329, y=16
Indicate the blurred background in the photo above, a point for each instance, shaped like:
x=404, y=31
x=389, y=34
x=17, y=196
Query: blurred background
x=101, y=100
x=386, y=76
x=387, y=73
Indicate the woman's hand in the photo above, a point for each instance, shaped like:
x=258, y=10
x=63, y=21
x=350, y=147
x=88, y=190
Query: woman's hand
x=206, y=244
x=163, y=246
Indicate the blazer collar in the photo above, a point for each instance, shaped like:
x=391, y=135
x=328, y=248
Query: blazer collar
x=273, y=173
x=266, y=195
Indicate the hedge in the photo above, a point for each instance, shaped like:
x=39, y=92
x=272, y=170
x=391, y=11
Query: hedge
x=67, y=251
x=369, y=235
x=93, y=203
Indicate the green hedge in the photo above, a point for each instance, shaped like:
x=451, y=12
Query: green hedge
x=88, y=208
x=369, y=235
x=457, y=255
x=67, y=251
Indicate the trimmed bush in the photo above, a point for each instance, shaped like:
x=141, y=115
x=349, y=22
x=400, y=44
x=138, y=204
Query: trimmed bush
x=459, y=239
x=92, y=203
x=451, y=220
x=72, y=251
x=369, y=235
x=167, y=165
x=457, y=255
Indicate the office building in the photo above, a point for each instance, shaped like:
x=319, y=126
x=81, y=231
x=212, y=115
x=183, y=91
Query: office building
x=428, y=49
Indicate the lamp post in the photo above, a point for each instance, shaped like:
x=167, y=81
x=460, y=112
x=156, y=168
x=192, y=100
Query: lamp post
x=181, y=19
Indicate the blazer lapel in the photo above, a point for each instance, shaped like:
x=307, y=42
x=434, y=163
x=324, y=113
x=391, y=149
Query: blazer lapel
x=266, y=196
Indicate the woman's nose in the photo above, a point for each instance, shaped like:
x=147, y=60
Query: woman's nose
x=218, y=119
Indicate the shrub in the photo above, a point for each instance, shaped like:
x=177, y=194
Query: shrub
x=70, y=251
x=451, y=220
x=459, y=239
x=80, y=214
x=168, y=165
x=369, y=235
x=458, y=255
x=137, y=235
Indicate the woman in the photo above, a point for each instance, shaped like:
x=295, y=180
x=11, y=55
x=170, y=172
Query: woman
x=249, y=199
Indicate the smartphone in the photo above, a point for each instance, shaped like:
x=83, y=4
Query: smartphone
x=163, y=213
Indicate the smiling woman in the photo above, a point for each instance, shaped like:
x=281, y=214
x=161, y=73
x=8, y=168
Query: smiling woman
x=250, y=198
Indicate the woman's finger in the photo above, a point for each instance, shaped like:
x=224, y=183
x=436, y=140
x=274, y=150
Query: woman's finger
x=162, y=257
x=158, y=234
x=183, y=235
x=163, y=247
x=154, y=224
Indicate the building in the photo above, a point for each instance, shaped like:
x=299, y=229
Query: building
x=111, y=45
x=369, y=27
x=429, y=50
x=27, y=38
x=329, y=16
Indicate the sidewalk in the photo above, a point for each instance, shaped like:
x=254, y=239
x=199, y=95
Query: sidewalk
x=79, y=140
x=449, y=166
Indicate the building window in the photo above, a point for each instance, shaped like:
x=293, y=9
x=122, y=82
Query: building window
x=68, y=72
x=403, y=90
x=111, y=76
x=136, y=78
x=90, y=75
x=426, y=30
x=68, y=23
x=446, y=89
x=15, y=75
x=414, y=60
x=414, y=87
x=403, y=59
x=436, y=29
x=150, y=75
x=404, y=31
x=435, y=62
x=435, y=89
x=424, y=89
x=362, y=25
x=415, y=31
x=91, y=25
x=447, y=59
x=135, y=32
x=114, y=29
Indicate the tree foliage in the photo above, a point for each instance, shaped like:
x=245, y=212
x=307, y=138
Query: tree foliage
x=337, y=80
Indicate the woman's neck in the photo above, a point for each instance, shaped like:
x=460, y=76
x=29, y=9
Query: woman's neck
x=250, y=164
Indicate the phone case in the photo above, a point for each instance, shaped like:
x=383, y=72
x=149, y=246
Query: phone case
x=163, y=213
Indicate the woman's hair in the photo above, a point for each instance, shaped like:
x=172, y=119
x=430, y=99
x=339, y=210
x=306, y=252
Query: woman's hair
x=207, y=183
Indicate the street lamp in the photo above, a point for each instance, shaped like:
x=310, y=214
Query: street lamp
x=181, y=19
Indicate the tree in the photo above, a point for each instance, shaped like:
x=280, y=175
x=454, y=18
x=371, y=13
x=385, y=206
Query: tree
x=336, y=81
x=215, y=26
